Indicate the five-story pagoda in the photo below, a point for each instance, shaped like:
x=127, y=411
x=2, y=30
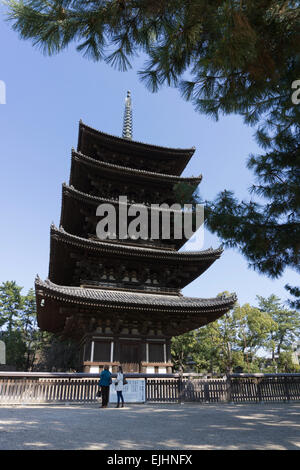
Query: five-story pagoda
x=121, y=298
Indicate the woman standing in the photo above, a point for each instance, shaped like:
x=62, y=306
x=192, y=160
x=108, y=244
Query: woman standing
x=104, y=383
x=119, y=386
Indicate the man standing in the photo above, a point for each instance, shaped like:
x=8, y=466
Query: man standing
x=104, y=383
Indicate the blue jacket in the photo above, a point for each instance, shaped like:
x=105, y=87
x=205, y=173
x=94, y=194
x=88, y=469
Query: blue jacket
x=105, y=378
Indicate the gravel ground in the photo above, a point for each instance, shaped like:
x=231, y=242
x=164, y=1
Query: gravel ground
x=143, y=427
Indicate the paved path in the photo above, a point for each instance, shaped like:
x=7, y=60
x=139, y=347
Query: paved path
x=138, y=427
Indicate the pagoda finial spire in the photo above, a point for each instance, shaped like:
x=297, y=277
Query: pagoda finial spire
x=127, y=123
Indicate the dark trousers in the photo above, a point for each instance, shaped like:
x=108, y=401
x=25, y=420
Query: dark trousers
x=105, y=394
x=120, y=397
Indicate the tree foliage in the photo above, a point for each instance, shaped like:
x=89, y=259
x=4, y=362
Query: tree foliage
x=237, y=340
x=286, y=328
x=295, y=291
x=11, y=304
x=27, y=347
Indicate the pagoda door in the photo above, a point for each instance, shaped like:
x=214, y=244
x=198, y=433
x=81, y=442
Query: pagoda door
x=130, y=356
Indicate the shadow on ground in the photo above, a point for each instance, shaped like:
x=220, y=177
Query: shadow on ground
x=153, y=427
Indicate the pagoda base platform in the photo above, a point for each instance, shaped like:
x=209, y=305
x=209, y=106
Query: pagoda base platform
x=134, y=353
x=142, y=368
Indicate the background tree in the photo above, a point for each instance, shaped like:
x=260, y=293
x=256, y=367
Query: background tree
x=207, y=357
x=240, y=340
x=32, y=336
x=27, y=347
x=225, y=57
x=287, y=325
x=253, y=329
x=11, y=303
x=226, y=327
x=57, y=355
x=286, y=364
x=183, y=349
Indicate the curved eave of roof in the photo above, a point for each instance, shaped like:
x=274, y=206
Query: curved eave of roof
x=132, y=171
x=122, y=249
x=131, y=144
x=117, y=299
x=69, y=189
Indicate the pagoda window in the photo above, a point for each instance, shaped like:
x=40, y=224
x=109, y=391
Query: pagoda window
x=129, y=352
x=156, y=352
x=102, y=351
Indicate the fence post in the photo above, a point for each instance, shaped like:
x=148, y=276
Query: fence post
x=180, y=388
x=286, y=387
x=146, y=395
x=228, y=389
x=67, y=403
x=206, y=392
x=259, y=390
x=23, y=396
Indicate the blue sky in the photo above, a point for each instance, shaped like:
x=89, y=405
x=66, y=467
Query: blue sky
x=46, y=98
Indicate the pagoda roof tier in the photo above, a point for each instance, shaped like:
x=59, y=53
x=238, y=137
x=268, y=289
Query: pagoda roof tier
x=79, y=261
x=78, y=206
x=93, y=176
x=115, y=149
x=58, y=304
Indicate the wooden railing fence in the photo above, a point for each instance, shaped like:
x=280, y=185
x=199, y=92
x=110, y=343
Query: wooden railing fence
x=26, y=388
x=265, y=388
x=186, y=390
x=44, y=390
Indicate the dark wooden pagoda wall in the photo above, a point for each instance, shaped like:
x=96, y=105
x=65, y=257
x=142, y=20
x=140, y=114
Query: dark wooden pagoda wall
x=76, y=266
x=107, y=183
x=129, y=275
x=105, y=154
x=80, y=320
x=79, y=218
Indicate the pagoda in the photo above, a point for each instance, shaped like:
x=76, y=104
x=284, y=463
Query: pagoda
x=120, y=299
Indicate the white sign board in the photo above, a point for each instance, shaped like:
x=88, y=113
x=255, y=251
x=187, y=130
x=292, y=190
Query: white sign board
x=2, y=353
x=133, y=392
